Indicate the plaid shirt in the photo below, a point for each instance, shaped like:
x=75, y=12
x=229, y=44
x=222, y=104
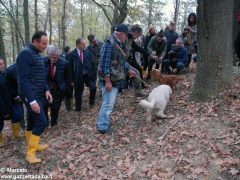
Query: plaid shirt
x=106, y=56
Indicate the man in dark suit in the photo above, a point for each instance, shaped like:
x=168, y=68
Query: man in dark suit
x=17, y=104
x=34, y=92
x=5, y=99
x=83, y=71
x=58, y=80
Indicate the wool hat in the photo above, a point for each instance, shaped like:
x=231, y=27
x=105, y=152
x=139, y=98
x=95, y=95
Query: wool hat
x=122, y=28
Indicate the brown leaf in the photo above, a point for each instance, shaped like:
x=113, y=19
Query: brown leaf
x=104, y=158
x=198, y=170
x=125, y=140
x=234, y=171
x=148, y=141
x=131, y=170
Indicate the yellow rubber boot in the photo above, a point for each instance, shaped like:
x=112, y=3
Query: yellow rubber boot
x=40, y=147
x=16, y=129
x=32, y=148
x=1, y=139
x=27, y=135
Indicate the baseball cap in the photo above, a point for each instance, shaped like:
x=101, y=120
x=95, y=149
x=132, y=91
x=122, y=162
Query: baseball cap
x=122, y=28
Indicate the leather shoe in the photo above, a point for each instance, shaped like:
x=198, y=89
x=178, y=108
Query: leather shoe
x=107, y=131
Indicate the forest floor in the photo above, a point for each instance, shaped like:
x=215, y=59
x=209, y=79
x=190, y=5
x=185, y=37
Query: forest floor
x=200, y=141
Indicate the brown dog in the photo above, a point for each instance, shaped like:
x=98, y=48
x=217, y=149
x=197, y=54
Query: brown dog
x=170, y=80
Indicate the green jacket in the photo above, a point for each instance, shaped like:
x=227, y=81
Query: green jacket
x=160, y=49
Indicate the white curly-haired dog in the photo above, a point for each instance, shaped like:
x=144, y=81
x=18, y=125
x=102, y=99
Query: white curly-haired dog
x=157, y=101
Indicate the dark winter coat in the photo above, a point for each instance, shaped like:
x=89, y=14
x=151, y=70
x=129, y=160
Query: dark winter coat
x=11, y=80
x=62, y=75
x=31, y=73
x=5, y=97
x=77, y=67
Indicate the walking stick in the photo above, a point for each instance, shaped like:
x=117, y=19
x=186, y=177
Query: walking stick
x=126, y=57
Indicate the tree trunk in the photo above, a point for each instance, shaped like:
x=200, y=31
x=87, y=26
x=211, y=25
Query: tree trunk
x=12, y=17
x=26, y=21
x=82, y=20
x=59, y=33
x=236, y=25
x=2, y=46
x=150, y=9
x=214, y=68
x=16, y=32
x=120, y=11
x=47, y=15
x=36, y=15
x=64, y=23
x=12, y=33
x=236, y=11
x=176, y=11
x=50, y=22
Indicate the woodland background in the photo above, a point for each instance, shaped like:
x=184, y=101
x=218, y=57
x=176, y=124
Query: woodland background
x=201, y=141
x=65, y=20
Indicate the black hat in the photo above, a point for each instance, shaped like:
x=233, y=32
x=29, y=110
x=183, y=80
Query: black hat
x=122, y=28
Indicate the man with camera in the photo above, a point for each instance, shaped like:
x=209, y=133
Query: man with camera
x=177, y=58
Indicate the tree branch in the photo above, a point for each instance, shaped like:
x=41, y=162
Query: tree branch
x=120, y=8
x=16, y=25
x=104, y=11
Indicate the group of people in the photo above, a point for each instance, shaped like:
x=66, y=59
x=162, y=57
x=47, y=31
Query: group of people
x=43, y=82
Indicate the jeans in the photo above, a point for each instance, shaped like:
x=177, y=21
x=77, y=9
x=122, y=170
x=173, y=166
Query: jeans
x=37, y=123
x=109, y=98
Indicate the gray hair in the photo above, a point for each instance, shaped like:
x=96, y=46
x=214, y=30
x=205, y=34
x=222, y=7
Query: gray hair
x=53, y=50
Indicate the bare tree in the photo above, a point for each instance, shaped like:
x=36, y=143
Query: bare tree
x=47, y=14
x=12, y=32
x=36, y=14
x=2, y=45
x=26, y=21
x=214, y=68
x=82, y=20
x=64, y=28
x=150, y=12
x=236, y=11
x=16, y=25
x=119, y=9
x=176, y=10
x=50, y=22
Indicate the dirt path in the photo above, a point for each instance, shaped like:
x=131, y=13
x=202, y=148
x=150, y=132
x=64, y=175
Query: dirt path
x=203, y=144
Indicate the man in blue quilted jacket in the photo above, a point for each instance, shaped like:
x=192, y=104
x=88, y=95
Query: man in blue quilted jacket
x=34, y=92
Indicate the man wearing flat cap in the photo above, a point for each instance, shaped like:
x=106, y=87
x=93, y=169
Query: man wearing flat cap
x=112, y=71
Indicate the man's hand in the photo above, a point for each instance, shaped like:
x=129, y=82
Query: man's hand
x=154, y=57
x=35, y=107
x=131, y=73
x=17, y=99
x=108, y=86
x=49, y=96
x=160, y=59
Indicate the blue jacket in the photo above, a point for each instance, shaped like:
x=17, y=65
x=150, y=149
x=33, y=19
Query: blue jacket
x=181, y=55
x=62, y=75
x=77, y=68
x=171, y=37
x=31, y=73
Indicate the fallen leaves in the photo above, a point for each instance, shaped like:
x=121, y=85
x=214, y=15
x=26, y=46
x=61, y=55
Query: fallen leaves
x=197, y=142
